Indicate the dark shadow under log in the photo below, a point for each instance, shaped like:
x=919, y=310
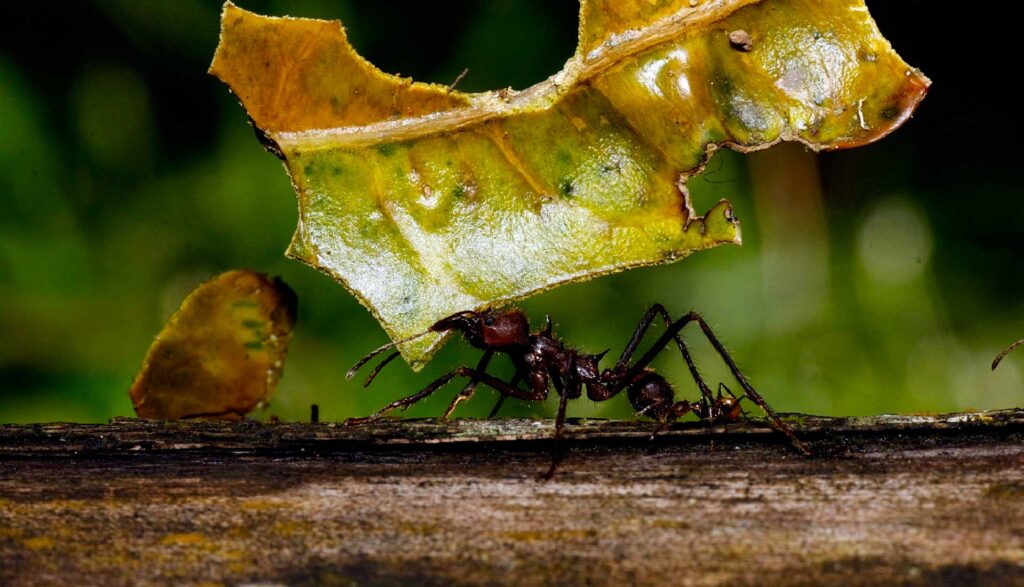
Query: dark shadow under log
x=886, y=500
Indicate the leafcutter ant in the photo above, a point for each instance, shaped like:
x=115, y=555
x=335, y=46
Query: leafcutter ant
x=542, y=361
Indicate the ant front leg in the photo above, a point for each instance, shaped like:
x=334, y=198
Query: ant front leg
x=407, y=401
x=468, y=391
x=486, y=379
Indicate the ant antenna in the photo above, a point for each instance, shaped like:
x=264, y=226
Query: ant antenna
x=351, y=372
x=458, y=79
x=376, y=370
x=708, y=174
x=1005, y=352
x=440, y=326
x=721, y=386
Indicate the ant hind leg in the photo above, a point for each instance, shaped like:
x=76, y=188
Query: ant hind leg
x=748, y=389
x=497, y=407
x=673, y=331
x=638, y=335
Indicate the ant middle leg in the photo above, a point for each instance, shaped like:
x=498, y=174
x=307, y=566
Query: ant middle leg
x=501, y=397
x=556, y=452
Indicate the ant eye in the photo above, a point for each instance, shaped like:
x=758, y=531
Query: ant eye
x=489, y=321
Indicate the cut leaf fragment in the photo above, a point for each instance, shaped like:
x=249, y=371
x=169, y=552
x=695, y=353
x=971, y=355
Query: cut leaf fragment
x=425, y=201
x=222, y=353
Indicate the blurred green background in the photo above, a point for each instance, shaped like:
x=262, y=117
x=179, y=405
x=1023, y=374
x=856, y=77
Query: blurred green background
x=882, y=279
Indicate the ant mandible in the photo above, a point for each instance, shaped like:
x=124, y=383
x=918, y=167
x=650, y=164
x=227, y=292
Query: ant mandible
x=541, y=360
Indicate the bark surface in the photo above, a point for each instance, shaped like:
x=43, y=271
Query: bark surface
x=886, y=500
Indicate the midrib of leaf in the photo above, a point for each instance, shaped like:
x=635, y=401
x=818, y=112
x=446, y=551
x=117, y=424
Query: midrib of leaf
x=492, y=105
x=528, y=175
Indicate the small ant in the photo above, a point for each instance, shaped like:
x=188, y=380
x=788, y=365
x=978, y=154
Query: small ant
x=541, y=360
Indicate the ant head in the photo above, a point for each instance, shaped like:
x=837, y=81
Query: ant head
x=727, y=407
x=490, y=329
x=507, y=328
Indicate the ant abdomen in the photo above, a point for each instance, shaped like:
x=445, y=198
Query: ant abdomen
x=652, y=396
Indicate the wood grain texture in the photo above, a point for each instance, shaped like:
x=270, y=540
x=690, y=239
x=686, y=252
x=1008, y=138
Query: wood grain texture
x=887, y=500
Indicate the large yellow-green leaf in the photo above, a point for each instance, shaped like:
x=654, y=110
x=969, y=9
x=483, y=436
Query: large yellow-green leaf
x=425, y=201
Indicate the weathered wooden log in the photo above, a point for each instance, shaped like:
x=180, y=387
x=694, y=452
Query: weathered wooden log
x=886, y=500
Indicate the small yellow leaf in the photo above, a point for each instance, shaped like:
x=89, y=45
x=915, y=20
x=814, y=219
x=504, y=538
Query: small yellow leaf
x=222, y=352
